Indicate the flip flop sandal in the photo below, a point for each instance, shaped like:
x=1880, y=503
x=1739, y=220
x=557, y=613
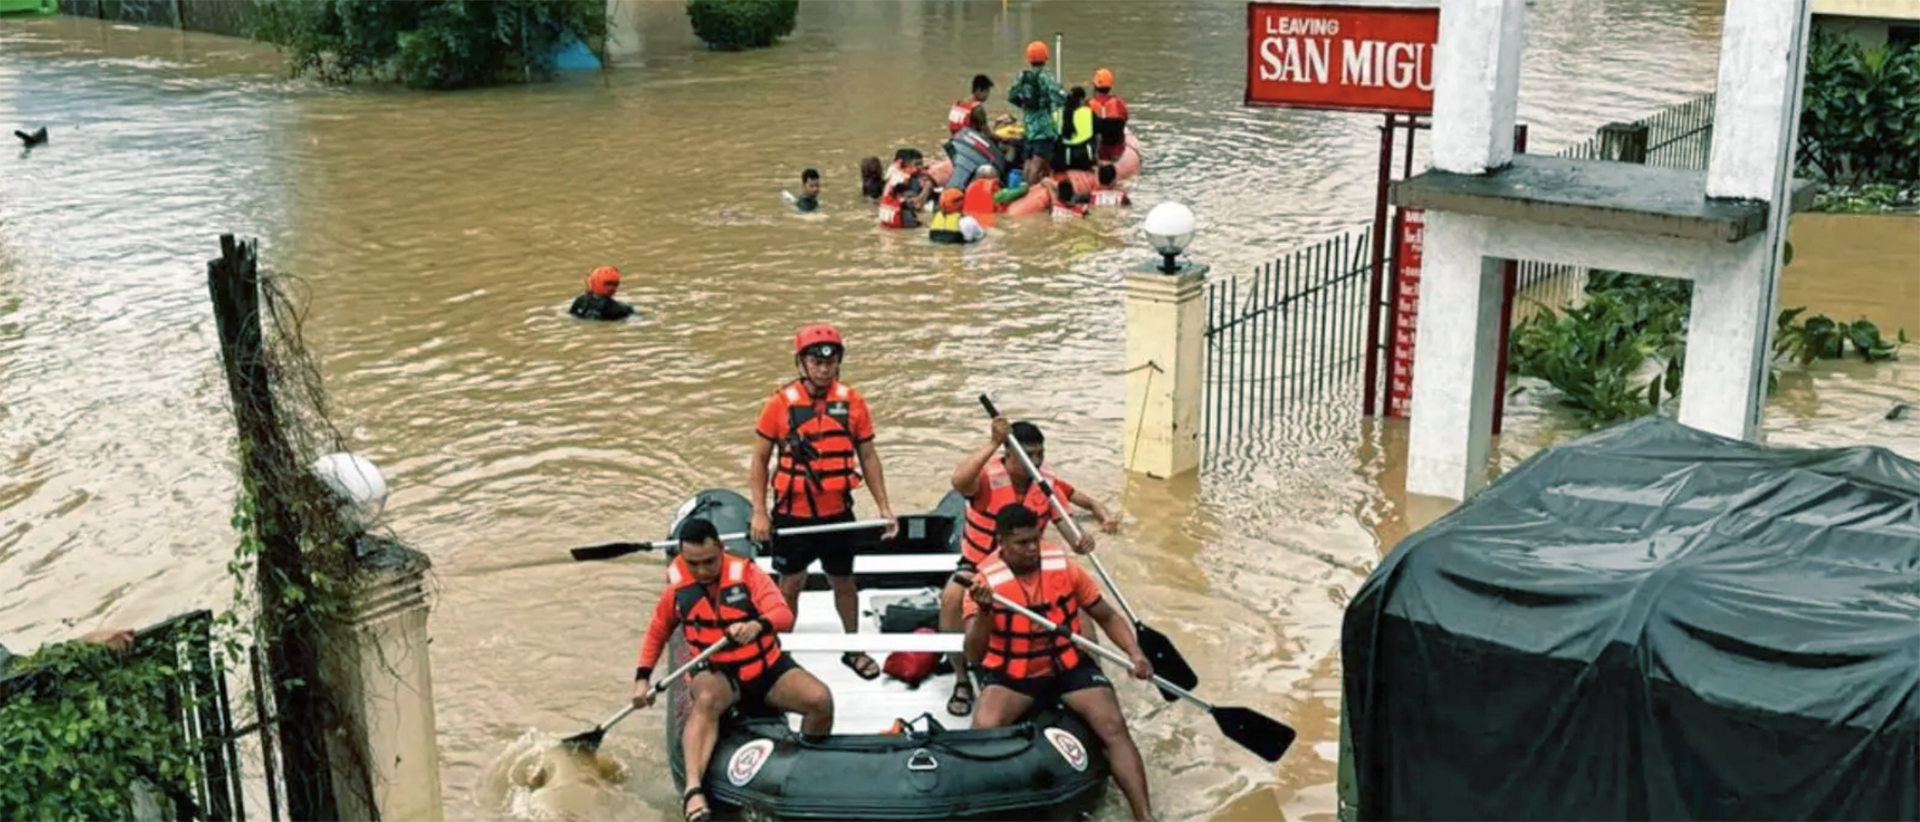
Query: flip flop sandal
x=706, y=811
x=851, y=660
x=962, y=696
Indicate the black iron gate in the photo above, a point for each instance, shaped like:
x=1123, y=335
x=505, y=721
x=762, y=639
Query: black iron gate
x=1290, y=334
x=202, y=720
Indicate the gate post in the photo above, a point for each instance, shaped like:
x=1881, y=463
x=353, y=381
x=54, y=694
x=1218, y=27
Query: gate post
x=378, y=653
x=1166, y=358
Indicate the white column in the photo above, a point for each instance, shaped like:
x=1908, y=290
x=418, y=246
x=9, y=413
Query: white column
x=1735, y=300
x=1476, y=76
x=1166, y=360
x=378, y=655
x=1456, y=354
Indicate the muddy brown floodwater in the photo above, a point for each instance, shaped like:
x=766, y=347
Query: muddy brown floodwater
x=439, y=237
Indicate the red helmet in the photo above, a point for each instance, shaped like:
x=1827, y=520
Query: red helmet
x=815, y=337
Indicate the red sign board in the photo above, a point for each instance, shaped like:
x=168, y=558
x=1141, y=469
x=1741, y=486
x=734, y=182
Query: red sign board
x=1352, y=58
x=1406, y=312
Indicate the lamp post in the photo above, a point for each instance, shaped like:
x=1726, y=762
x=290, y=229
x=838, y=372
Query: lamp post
x=1169, y=228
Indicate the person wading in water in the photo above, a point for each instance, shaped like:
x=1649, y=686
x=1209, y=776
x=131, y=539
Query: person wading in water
x=821, y=428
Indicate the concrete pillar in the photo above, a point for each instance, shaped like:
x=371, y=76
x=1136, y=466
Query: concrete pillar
x=1476, y=83
x=625, y=40
x=1458, y=341
x=378, y=657
x=1166, y=359
x=1756, y=121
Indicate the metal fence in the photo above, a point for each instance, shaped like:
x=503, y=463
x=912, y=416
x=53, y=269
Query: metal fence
x=229, y=17
x=1289, y=333
x=1679, y=136
x=202, y=719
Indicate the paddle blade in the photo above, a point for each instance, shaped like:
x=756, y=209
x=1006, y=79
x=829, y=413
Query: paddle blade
x=1267, y=737
x=586, y=741
x=1166, y=659
x=611, y=550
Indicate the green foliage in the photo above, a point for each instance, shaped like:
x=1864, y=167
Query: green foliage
x=429, y=44
x=1860, y=111
x=1872, y=198
x=732, y=25
x=1595, y=354
x=1819, y=337
x=81, y=727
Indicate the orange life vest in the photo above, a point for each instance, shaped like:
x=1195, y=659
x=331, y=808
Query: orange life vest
x=960, y=114
x=976, y=539
x=1019, y=647
x=979, y=202
x=704, y=619
x=823, y=427
x=891, y=215
x=1068, y=211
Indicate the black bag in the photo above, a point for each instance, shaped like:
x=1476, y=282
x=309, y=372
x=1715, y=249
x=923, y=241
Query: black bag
x=908, y=613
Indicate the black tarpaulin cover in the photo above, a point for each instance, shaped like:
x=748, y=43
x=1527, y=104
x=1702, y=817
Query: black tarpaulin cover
x=1649, y=623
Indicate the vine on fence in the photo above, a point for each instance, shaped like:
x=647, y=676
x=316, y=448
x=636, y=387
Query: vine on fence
x=81, y=725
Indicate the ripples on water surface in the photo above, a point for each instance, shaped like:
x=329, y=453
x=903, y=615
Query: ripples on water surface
x=439, y=238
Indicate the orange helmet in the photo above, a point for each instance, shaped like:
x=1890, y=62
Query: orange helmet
x=820, y=340
x=951, y=198
x=1037, y=53
x=604, y=281
x=1103, y=79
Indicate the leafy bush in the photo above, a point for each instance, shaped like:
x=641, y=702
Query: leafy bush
x=1872, y=198
x=81, y=727
x=435, y=44
x=1594, y=354
x=1860, y=111
x=732, y=25
x=1822, y=338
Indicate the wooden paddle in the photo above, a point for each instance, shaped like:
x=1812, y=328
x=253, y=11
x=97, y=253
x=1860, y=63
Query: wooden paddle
x=1267, y=737
x=590, y=740
x=1158, y=648
x=614, y=550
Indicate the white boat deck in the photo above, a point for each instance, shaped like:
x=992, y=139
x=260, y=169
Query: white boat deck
x=868, y=706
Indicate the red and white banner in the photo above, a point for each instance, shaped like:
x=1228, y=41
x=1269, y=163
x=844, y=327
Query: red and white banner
x=1406, y=312
x=1352, y=58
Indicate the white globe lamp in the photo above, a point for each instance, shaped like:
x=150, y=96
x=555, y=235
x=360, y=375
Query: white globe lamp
x=357, y=480
x=1169, y=227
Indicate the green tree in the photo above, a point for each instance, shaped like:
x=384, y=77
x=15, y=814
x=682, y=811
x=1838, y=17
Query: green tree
x=1860, y=111
x=732, y=25
x=431, y=44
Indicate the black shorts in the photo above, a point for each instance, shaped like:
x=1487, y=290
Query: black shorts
x=753, y=695
x=1048, y=150
x=834, y=550
x=1048, y=689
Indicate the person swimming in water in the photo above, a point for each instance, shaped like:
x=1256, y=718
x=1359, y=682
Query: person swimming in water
x=809, y=198
x=873, y=181
x=597, y=303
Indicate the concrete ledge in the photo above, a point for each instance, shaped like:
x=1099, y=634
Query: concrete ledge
x=1595, y=194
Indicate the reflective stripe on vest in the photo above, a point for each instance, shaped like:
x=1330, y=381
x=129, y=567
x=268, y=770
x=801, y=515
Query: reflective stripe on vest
x=958, y=116
x=1018, y=647
x=1109, y=197
x=976, y=540
x=704, y=619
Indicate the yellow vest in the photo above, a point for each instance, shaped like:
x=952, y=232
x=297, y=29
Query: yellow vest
x=1082, y=126
x=943, y=221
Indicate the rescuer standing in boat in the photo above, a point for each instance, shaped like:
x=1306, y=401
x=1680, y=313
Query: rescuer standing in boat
x=820, y=428
x=1027, y=666
x=714, y=596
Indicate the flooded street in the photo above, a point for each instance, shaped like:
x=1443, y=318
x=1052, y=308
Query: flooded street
x=439, y=238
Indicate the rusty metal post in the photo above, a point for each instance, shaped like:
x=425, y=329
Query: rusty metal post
x=1511, y=273
x=1374, y=349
